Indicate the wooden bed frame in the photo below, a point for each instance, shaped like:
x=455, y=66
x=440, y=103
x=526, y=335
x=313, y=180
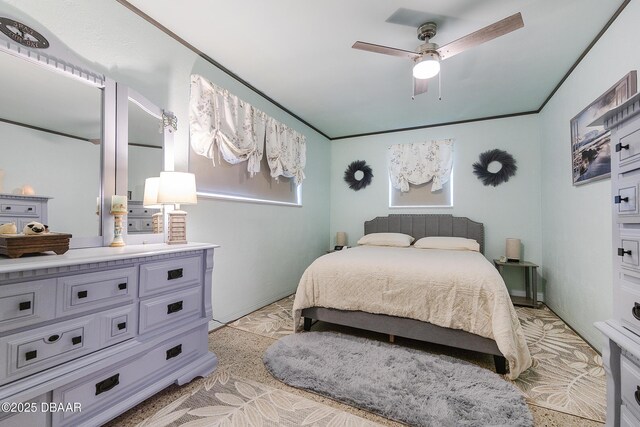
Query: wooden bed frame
x=417, y=226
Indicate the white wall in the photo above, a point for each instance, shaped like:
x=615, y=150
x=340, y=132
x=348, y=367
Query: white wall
x=576, y=221
x=31, y=157
x=508, y=210
x=264, y=248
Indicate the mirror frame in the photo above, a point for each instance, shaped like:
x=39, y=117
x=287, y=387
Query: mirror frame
x=123, y=95
x=108, y=120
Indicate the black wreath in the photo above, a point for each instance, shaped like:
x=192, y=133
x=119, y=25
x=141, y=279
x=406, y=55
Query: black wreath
x=350, y=175
x=481, y=168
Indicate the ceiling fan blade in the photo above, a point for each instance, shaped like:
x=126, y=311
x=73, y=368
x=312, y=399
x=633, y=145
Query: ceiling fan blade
x=376, y=48
x=420, y=86
x=483, y=35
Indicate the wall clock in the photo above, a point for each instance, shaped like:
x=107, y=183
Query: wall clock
x=358, y=175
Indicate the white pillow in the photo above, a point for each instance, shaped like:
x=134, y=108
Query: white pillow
x=386, y=239
x=455, y=243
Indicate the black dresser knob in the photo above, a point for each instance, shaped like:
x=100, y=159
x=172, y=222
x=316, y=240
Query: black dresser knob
x=31, y=354
x=76, y=340
x=25, y=305
x=620, y=147
x=622, y=252
x=82, y=294
x=618, y=199
x=107, y=384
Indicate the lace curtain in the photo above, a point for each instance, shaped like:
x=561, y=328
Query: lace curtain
x=286, y=151
x=420, y=163
x=220, y=121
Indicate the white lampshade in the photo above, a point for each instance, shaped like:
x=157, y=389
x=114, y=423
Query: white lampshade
x=150, y=199
x=177, y=188
x=428, y=66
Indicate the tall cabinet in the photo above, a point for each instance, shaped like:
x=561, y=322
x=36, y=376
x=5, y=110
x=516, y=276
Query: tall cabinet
x=621, y=354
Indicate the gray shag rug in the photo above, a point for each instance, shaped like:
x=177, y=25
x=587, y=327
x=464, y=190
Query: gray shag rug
x=399, y=383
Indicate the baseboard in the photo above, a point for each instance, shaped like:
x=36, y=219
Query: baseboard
x=250, y=309
x=519, y=293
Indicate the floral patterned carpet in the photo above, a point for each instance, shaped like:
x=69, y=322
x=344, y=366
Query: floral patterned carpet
x=566, y=376
x=224, y=400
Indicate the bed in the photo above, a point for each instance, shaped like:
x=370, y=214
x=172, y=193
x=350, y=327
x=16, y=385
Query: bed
x=454, y=298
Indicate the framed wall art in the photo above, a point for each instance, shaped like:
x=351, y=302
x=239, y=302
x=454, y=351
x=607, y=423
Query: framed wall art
x=591, y=144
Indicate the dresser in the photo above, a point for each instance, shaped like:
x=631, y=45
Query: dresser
x=621, y=353
x=87, y=335
x=21, y=210
x=139, y=218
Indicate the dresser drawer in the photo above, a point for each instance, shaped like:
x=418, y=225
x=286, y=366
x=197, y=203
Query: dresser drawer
x=38, y=349
x=91, y=291
x=627, y=150
x=629, y=303
x=120, y=324
x=26, y=303
x=141, y=211
x=19, y=222
x=20, y=209
x=166, y=309
x=628, y=252
x=139, y=225
x=626, y=199
x=117, y=383
x=630, y=385
x=168, y=275
x=627, y=419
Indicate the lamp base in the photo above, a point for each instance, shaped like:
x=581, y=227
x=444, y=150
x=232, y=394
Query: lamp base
x=157, y=223
x=177, y=228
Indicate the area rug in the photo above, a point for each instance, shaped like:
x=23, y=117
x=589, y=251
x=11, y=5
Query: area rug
x=399, y=383
x=228, y=401
x=566, y=376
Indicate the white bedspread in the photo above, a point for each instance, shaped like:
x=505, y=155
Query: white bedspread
x=452, y=289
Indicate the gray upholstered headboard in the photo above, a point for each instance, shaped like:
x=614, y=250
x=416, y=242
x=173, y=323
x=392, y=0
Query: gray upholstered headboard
x=424, y=225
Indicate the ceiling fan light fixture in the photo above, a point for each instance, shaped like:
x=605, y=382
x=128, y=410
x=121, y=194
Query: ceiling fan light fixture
x=427, y=66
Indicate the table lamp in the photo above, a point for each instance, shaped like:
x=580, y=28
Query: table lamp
x=150, y=200
x=118, y=210
x=177, y=188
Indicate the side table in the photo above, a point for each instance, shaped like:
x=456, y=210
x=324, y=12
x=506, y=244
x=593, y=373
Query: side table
x=530, y=281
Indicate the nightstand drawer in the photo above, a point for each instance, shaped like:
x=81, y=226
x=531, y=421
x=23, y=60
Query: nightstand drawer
x=626, y=199
x=167, y=309
x=26, y=303
x=117, y=383
x=628, y=252
x=169, y=275
x=91, y=291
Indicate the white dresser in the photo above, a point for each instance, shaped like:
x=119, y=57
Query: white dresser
x=621, y=354
x=96, y=331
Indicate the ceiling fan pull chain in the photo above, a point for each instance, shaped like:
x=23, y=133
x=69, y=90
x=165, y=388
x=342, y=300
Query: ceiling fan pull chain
x=439, y=86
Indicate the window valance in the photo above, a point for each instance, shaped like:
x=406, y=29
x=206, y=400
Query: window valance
x=420, y=163
x=221, y=122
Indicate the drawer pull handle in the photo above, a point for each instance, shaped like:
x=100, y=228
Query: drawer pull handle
x=107, y=384
x=29, y=209
x=636, y=311
x=637, y=395
x=122, y=325
x=76, y=340
x=174, y=351
x=53, y=338
x=8, y=208
x=174, y=274
x=176, y=306
x=122, y=286
x=620, y=147
x=618, y=199
x=31, y=354
x=622, y=252
x=25, y=305
x=82, y=294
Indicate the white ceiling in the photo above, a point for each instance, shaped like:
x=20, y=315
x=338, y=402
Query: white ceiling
x=299, y=54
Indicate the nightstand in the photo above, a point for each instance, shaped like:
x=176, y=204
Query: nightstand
x=530, y=281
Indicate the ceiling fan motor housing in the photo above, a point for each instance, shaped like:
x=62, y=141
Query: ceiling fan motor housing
x=427, y=30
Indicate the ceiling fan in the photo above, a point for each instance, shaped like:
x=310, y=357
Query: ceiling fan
x=428, y=56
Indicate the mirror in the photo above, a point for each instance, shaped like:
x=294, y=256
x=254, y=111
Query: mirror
x=146, y=139
x=51, y=127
